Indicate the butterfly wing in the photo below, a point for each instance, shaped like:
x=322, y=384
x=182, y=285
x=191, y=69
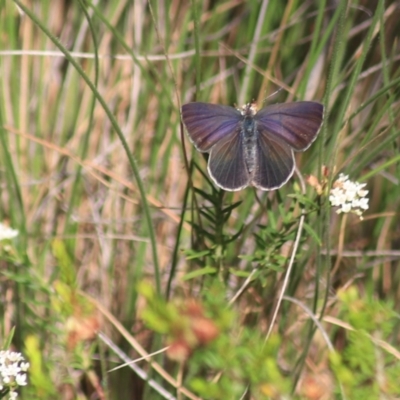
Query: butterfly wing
x=275, y=162
x=226, y=164
x=297, y=124
x=207, y=124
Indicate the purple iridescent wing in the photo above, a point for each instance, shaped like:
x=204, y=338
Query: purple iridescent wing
x=275, y=162
x=297, y=124
x=226, y=164
x=207, y=124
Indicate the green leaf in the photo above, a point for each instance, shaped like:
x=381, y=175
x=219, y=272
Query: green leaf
x=239, y=273
x=199, y=272
x=192, y=255
x=312, y=233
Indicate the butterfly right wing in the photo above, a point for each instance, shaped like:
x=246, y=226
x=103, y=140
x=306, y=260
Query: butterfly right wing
x=207, y=124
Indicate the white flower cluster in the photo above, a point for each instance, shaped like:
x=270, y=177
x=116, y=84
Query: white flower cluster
x=349, y=196
x=12, y=372
x=7, y=232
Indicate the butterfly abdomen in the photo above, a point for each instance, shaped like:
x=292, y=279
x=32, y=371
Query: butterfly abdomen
x=249, y=135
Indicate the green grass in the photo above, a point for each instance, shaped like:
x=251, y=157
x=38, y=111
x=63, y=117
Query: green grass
x=121, y=231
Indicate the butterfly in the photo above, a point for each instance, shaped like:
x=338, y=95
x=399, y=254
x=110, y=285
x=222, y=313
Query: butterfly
x=247, y=147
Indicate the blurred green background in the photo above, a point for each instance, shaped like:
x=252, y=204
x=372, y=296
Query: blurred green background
x=115, y=238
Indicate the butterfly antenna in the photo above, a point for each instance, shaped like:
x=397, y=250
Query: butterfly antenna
x=272, y=94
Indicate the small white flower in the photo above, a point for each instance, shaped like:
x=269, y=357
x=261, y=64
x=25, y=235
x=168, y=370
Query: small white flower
x=363, y=203
x=21, y=379
x=14, y=356
x=11, y=365
x=362, y=193
x=24, y=366
x=7, y=232
x=346, y=207
x=349, y=196
x=13, y=395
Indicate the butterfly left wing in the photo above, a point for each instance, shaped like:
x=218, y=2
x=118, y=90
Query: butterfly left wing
x=226, y=164
x=207, y=123
x=297, y=124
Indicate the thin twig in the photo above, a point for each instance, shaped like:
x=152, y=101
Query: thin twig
x=135, y=368
x=137, y=346
x=340, y=245
x=292, y=257
x=314, y=318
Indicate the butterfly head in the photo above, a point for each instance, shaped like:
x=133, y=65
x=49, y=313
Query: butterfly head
x=248, y=110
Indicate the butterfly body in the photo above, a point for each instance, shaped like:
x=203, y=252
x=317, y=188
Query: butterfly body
x=252, y=148
x=249, y=136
